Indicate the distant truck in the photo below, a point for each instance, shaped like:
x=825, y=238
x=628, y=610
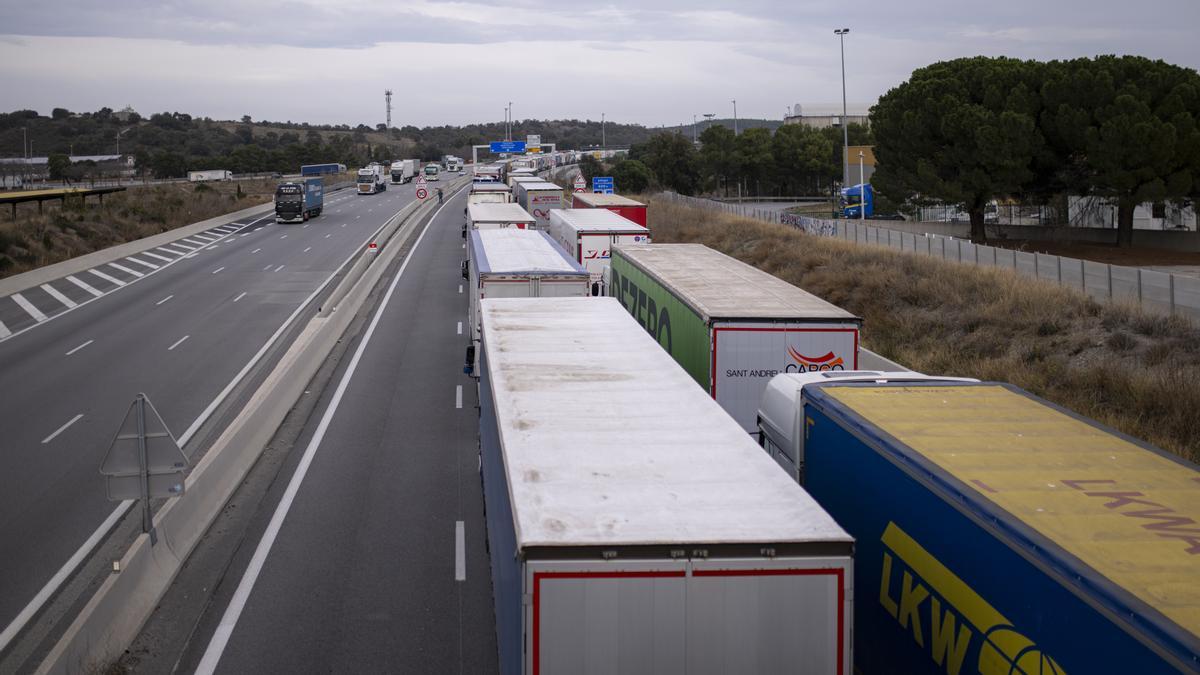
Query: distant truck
x=634, y=527
x=853, y=198
x=209, y=175
x=321, y=169
x=297, y=201
x=454, y=164
x=514, y=263
x=488, y=173
x=538, y=198
x=997, y=532
x=731, y=326
x=404, y=170
x=589, y=235
x=370, y=180
x=623, y=206
x=431, y=172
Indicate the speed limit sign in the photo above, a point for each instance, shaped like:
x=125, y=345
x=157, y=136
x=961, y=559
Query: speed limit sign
x=422, y=193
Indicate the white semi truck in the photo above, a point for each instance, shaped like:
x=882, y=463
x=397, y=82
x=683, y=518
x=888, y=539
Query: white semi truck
x=370, y=180
x=404, y=170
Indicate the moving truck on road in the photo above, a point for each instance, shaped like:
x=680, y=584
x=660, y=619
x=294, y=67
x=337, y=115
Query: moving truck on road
x=634, y=527
x=731, y=326
x=209, y=175
x=516, y=264
x=321, y=169
x=370, y=180
x=498, y=216
x=624, y=206
x=404, y=170
x=538, y=198
x=297, y=201
x=588, y=236
x=997, y=532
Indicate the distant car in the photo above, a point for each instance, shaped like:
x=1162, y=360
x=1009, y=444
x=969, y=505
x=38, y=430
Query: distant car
x=462, y=172
x=276, y=175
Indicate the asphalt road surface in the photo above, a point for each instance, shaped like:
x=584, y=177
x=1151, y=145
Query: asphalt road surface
x=179, y=324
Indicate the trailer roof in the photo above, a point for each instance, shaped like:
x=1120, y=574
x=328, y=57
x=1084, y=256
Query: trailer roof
x=490, y=187
x=601, y=199
x=539, y=185
x=606, y=440
x=717, y=286
x=498, y=213
x=595, y=220
x=1128, y=511
x=513, y=251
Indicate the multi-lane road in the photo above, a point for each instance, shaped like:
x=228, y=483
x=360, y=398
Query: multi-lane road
x=181, y=323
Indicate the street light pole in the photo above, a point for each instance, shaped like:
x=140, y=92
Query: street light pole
x=735, y=128
x=510, y=122
x=602, y=141
x=695, y=138
x=841, y=33
x=862, y=189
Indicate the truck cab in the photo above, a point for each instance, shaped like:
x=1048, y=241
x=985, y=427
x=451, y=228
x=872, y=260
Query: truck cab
x=297, y=201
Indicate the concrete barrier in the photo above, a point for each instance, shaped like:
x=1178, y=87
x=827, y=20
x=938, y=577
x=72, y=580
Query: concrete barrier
x=113, y=616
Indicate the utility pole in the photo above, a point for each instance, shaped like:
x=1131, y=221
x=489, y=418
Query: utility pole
x=602, y=143
x=510, y=122
x=695, y=138
x=841, y=33
x=862, y=188
x=387, y=95
x=735, y=128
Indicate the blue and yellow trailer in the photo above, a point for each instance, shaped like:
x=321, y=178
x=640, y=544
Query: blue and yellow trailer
x=999, y=533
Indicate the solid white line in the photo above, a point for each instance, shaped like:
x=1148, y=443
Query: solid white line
x=80, y=347
x=61, y=429
x=217, y=270
x=460, y=328
x=143, y=263
x=164, y=300
x=240, y=296
x=256, y=250
x=216, y=646
x=458, y=396
x=4, y=332
x=279, y=268
x=84, y=286
x=58, y=296
x=156, y=256
x=178, y=342
x=28, y=307
x=126, y=270
x=460, y=551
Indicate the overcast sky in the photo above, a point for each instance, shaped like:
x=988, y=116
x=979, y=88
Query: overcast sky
x=654, y=62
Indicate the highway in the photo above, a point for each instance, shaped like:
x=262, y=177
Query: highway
x=373, y=558
x=179, y=323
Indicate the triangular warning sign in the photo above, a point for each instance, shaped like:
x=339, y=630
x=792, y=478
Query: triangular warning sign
x=163, y=454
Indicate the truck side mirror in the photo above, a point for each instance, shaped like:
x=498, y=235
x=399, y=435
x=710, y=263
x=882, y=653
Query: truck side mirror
x=469, y=366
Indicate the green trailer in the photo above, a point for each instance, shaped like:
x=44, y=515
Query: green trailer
x=731, y=326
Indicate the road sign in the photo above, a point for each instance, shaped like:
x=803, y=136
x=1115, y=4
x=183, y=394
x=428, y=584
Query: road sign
x=422, y=193
x=603, y=184
x=372, y=248
x=579, y=189
x=580, y=183
x=144, y=461
x=421, y=182
x=507, y=146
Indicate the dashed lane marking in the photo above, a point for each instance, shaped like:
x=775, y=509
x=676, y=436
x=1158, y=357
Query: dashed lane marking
x=178, y=342
x=163, y=300
x=80, y=347
x=61, y=429
x=239, y=297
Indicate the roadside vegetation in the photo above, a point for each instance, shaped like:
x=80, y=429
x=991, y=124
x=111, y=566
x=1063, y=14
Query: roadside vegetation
x=64, y=231
x=1134, y=371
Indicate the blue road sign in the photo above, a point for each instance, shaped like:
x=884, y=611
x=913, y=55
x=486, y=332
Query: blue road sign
x=508, y=146
x=603, y=184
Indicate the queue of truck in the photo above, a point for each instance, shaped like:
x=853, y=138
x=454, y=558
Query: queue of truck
x=635, y=450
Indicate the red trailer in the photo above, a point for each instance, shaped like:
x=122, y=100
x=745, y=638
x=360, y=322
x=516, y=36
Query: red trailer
x=624, y=206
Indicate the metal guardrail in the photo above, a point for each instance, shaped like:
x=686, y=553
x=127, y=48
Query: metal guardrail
x=1150, y=289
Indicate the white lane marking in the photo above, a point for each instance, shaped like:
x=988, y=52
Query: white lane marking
x=460, y=551
x=157, y=256
x=266, y=268
x=178, y=342
x=4, y=332
x=61, y=429
x=142, y=263
x=196, y=244
x=307, y=250
x=206, y=238
x=240, y=296
x=458, y=396
x=212, y=248
x=460, y=288
x=357, y=217
x=28, y=307
x=256, y=250
x=79, y=347
x=53, y=292
x=220, y=638
x=343, y=224
x=226, y=229
x=464, y=245
x=283, y=237
x=164, y=300
x=217, y=270
x=176, y=243
x=460, y=328
x=126, y=270
x=279, y=268
x=84, y=286
x=306, y=226
x=244, y=234
x=327, y=236
x=180, y=251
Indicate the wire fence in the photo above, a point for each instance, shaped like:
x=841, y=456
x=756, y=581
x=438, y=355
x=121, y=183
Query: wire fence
x=1151, y=289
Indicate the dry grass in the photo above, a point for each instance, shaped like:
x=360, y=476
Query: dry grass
x=67, y=230
x=1134, y=371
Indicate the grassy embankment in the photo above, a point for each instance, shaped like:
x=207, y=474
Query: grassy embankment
x=70, y=229
x=1137, y=372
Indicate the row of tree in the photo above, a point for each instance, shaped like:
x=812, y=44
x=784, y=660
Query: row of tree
x=974, y=130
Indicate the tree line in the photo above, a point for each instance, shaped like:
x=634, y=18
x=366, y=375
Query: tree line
x=973, y=130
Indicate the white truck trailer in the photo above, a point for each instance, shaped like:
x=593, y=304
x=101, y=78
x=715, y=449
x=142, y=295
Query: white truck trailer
x=404, y=170
x=633, y=526
x=489, y=193
x=498, y=216
x=538, y=198
x=209, y=175
x=588, y=236
x=731, y=326
x=513, y=263
x=370, y=180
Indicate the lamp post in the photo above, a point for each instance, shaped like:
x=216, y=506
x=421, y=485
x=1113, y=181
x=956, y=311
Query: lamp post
x=695, y=138
x=862, y=188
x=602, y=142
x=735, y=128
x=708, y=119
x=510, y=122
x=841, y=33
